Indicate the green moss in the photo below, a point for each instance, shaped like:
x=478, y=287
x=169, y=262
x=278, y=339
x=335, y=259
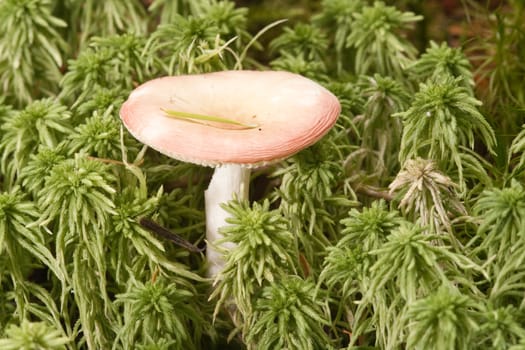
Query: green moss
x=401, y=229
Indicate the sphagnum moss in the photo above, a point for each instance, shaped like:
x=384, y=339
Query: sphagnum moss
x=264, y=254
x=323, y=258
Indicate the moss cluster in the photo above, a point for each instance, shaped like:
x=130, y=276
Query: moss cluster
x=403, y=228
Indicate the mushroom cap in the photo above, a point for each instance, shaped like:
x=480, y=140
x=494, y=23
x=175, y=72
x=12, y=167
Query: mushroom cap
x=290, y=113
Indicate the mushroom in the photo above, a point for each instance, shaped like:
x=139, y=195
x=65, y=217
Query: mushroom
x=232, y=121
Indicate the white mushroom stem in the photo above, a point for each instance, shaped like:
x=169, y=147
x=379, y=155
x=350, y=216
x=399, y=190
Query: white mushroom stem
x=227, y=181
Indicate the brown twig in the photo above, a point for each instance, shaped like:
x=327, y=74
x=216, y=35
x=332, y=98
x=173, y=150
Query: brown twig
x=374, y=192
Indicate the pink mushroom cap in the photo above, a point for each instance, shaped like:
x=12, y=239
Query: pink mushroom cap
x=289, y=112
